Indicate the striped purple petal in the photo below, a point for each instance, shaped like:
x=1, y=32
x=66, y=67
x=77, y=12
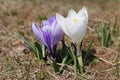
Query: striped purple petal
x=37, y=32
x=50, y=34
x=47, y=35
x=56, y=33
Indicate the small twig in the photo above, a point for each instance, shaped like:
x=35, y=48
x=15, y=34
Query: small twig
x=111, y=50
x=52, y=74
x=78, y=75
x=66, y=65
x=85, y=78
x=99, y=20
x=113, y=64
x=106, y=61
x=116, y=64
x=89, y=28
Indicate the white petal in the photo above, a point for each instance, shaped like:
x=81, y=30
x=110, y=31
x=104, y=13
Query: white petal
x=62, y=22
x=77, y=30
x=83, y=16
x=72, y=14
x=83, y=12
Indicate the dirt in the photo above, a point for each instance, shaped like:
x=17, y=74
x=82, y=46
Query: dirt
x=17, y=62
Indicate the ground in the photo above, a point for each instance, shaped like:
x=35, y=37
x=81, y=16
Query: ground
x=17, y=62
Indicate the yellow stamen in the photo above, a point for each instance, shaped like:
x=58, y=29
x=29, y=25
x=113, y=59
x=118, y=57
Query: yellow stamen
x=75, y=20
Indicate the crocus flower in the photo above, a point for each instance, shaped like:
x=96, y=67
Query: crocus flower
x=75, y=24
x=49, y=34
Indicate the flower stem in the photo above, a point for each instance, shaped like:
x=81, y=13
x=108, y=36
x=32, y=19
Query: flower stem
x=79, y=54
x=75, y=65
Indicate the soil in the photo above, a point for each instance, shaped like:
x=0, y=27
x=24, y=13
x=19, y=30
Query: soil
x=17, y=62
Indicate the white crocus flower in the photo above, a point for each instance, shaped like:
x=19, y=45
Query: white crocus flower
x=75, y=24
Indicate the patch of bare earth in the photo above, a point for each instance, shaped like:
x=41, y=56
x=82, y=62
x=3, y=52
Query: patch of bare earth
x=17, y=62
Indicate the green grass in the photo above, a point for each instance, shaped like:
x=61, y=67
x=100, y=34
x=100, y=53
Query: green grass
x=115, y=30
x=117, y=67
x=68, y=56
x=11, y=67
x=105, y=34
x=87, y=52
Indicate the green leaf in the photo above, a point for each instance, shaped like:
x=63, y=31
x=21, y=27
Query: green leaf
x=31, y=46
x=98, y=33
x=95, y=60
x=55, y=66
x=63, y=64
x=87, y=51
x=75, y=63
x=42, y=75
x=43, y=50
x=38, y=52
x=103, y=34
x=107, y=37
x=42, y=17
x=115, y=30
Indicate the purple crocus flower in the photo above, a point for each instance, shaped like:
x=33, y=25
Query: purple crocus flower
x=50, y=34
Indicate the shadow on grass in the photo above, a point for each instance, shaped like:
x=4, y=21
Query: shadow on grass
x=88, y=57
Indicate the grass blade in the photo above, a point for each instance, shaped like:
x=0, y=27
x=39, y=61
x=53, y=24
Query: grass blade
x=103, y=34
x=26, y=41
x=117, y=67
x=87, y=51
x=107, y=40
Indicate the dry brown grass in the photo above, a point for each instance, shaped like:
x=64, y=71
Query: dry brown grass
x=17, y=62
